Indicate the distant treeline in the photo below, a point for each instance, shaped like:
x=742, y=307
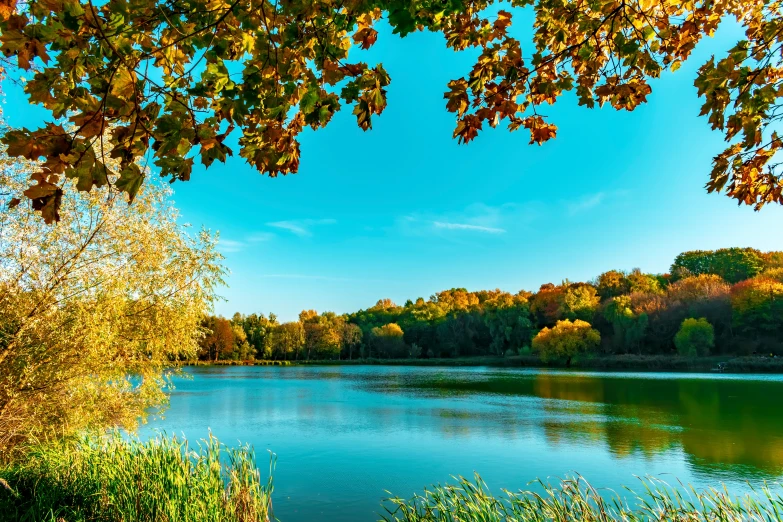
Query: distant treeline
x=727, y=301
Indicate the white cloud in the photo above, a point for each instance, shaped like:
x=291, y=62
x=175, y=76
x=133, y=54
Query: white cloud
x=300, y=227
x=230, y=246
x=585, y=203
x=466, y=226
x=311, y=277
x=474, y=220
x=260, y=237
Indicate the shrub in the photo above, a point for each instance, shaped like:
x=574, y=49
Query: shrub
x=565, y=340
x=696, y=337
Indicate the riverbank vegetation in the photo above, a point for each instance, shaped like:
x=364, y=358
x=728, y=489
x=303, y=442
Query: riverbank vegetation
x=111, y=478
x=727, y=302
x=575, y=499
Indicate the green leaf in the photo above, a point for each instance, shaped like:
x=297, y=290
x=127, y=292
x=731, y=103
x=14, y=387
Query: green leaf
x=130, y=180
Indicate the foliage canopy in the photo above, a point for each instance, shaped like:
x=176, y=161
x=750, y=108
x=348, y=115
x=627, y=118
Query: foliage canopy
x=177, y=77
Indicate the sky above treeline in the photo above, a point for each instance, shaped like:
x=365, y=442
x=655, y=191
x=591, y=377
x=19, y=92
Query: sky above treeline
x=403, y=211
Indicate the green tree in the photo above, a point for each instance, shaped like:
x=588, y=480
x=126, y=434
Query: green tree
x=510, y=326
x=731, y=264
x=351, y=338
x=566, y=340
x=696, y=337
x=629, y=327
x=579, y=301
x=644, y=283
x=286, y=340
x=242, y=349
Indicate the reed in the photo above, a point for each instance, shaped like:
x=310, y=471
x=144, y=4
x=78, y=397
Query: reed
x=164, y=480
x=111, y=478
x=574, y=499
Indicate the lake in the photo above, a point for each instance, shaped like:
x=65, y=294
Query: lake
x=343, y=435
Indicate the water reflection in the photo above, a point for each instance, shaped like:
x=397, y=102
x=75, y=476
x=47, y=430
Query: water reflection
x=345, y=435
x=717, y=421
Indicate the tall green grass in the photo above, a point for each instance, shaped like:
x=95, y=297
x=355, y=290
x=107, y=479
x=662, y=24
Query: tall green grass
x=116, y=479
x=574, y=499
x=164, y=480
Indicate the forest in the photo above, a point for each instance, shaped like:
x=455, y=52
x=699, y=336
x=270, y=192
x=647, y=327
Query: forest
x=726, y=301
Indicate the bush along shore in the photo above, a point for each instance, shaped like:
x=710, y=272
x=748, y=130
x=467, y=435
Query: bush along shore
x=623, y=362
x=164, y=479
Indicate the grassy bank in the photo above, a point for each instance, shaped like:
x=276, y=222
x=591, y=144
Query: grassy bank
x=627, y=362
x=113, y=479
x=165, y=480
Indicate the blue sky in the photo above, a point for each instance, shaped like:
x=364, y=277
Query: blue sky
x=403, y=211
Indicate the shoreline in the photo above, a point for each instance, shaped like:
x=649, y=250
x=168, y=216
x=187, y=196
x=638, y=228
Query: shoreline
x=651, y=363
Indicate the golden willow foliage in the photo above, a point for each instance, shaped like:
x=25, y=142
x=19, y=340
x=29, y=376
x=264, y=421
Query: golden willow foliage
x=93, y=310
x=178, y=77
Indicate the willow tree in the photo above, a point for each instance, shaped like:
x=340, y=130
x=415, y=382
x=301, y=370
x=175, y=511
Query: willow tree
x=175, y=78
x=93, y=311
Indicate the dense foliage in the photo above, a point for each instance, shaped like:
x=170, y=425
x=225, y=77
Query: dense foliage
x=94, y=310
x=566, y=340
x=619, y=312
x=177, y=77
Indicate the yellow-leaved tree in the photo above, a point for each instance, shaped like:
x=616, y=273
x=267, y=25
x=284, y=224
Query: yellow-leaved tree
x=94, y=310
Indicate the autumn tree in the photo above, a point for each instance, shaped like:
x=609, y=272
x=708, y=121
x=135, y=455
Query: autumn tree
x=757, y=305
x=579, y=301
x=178, y=79
x=218, y=342
x=612, y=283
x=285, y=340
x=545, y=305
x=566, y=340
x=387, y=341
x=94, y=310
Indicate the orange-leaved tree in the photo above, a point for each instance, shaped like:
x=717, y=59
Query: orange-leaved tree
x=175, y=78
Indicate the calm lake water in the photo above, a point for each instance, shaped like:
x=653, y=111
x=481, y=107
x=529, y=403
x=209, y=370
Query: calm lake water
x=344, y=435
